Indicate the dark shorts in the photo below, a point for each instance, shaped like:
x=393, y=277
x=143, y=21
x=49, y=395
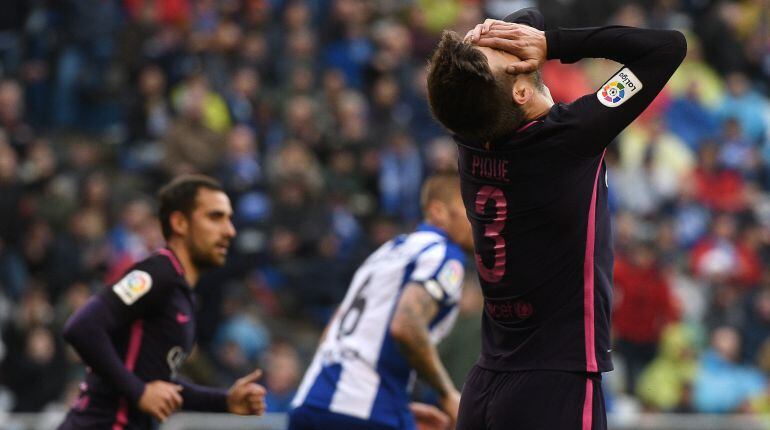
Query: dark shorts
x=98, y=413
x=71, y=423
x=310, y=418
x=532, y=400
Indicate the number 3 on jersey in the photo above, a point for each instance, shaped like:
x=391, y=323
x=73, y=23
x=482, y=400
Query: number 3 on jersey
x=492, y=231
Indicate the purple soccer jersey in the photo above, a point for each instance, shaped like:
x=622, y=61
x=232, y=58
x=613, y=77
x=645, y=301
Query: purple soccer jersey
x=138, y=330
x=538, y=205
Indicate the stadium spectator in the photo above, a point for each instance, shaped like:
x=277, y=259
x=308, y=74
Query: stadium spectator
x=722, y=257
x=32, y=366
x=756, y=325
x=12, y=120
x=687, y=110
x=644, y=305
x=743, y=103
x=665, y=383
x=717, y=187
x=282, y=376
x=400, y=176
x=721, y=384
x=12, y=266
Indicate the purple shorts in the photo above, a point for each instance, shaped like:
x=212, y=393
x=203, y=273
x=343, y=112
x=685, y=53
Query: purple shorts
x=532, y=400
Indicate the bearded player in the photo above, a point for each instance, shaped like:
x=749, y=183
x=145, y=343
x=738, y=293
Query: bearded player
x=134, y=334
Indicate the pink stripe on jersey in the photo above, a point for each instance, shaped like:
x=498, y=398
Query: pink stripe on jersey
x=526, y=126
x=121, y=418
x=588, y=279
x=132, y=354
x=175, y=261
x=134, y=343
x=588, y=405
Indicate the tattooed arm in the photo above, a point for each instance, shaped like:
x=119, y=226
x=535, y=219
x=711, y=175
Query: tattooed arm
x=409, y=328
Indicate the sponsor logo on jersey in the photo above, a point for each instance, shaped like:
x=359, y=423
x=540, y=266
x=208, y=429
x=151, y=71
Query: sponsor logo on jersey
x=133, y=286
x=174, y=359
x=506, y=310
x=523, y=309
x=619, y=88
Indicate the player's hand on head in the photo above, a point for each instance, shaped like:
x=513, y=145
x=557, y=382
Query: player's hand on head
x=476, y=32
x=523, y=41
x=429, y=417
x=160, y=399
x=246, y=397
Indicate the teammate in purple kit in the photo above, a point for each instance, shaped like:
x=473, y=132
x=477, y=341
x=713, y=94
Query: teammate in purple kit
x=135, y=334
x=534, y=186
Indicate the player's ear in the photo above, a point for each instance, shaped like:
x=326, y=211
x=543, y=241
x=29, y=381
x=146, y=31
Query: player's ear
x=179, y=222
x=522, y=90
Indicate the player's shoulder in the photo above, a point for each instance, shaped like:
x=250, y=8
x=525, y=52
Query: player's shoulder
x=566, y=123
x=434, y=241
x=427, y=238
x=160, y=267
x=157, y=275
x=562, y=114
x=455, y=252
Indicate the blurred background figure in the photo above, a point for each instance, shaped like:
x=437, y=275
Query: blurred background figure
x=722, y=384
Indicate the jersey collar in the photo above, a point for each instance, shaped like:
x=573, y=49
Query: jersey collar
x=168, y=253
x=432, y=228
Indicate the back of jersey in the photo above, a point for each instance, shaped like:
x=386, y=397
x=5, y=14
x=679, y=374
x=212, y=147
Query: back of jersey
x=542, y=239
x=358, y=370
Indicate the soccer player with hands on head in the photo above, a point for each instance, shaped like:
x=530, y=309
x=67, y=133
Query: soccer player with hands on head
x=534, y=185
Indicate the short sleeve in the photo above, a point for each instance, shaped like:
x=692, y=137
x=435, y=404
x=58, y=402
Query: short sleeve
x=440, y=269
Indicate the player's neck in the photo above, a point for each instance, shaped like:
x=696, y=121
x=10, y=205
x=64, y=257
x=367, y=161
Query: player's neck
x=538, y=106
x=191, y=274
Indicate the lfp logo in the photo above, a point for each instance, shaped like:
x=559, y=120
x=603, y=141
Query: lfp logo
x=133, y=286
x=614, y=92
x=138, y=281
x=619, y=88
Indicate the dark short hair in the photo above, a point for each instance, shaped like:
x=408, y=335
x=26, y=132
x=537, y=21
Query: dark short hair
x=464, y=94
x=179, y=196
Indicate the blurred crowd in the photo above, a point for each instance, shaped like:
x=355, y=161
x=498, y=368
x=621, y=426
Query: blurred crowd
x=313, y=114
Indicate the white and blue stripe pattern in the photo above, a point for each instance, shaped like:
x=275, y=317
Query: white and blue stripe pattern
x=358, y=369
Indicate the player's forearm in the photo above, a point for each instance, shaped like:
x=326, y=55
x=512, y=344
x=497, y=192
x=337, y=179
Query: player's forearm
x=203, y=399
x=424, y=359
x=626, y=45
x=87, y=332
x=410, y=331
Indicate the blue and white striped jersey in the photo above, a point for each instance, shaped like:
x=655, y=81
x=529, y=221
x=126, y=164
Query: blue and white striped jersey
x=358, y=369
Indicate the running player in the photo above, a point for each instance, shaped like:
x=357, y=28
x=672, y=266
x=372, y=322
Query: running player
x=534, y=184
x=134, y=335
x=401, y=302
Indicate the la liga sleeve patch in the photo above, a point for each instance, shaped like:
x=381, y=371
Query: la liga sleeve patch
x=133, y=286
x=451, y=278
x=619, y=88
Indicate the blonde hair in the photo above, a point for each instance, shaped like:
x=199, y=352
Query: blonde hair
x=441, y=186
